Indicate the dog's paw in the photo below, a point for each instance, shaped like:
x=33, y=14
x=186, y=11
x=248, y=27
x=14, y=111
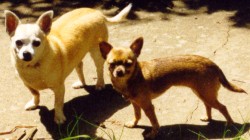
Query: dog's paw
x=100, y=84
x=78, y=85
x=99, y=87
x=230, y=123
x=59, y=118
x=151, y=135
x=206, y=119
x=130, y=124
x=31, y=105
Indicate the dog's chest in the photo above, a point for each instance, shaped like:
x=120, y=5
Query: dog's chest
x=33, y=77
x=119, y=85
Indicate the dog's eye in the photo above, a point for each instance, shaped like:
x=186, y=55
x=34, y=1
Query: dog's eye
x=127, y=64
x=19, y=43
x=36, y=43
x=112, y=65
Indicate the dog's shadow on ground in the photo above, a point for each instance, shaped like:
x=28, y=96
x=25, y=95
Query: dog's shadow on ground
x=213, y=130
x=84, y=113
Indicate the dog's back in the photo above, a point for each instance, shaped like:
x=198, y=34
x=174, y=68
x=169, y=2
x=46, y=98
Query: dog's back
x=77, y=19
x=186, y=70
x=77, y=32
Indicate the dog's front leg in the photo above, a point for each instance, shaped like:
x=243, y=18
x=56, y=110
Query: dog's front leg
x=33, y=103
x=137, y=111
x=148, y=108
x=59, y=101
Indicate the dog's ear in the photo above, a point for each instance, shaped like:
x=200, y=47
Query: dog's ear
x=11, y=22
x=45, y=21
x=136, y=46
x=105, y=48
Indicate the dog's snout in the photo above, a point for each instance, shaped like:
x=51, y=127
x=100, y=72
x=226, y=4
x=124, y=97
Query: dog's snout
x=119, y=73
x=27, y=56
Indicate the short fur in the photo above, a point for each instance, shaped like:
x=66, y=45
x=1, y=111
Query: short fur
x=45, y=53
x=140, y=82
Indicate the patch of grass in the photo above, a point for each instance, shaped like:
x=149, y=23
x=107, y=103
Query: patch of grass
x=199, y=135
x=73, y=132
x=78, y=137
x=226, y=131
x=241, y=130
x=240, y=133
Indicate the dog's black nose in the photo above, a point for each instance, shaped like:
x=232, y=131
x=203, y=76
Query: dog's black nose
x=26, y=56
x=119, y=73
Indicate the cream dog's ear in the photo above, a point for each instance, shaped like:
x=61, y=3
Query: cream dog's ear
x=11, y=22
x=105, y=48
x=45, y=21
x=136, y=46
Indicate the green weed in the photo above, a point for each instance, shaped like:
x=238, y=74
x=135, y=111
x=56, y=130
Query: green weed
x=73, y=132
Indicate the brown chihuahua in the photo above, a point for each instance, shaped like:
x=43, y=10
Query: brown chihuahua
x=140, y=82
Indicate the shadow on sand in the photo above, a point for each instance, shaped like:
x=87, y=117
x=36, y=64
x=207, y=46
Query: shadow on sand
x=94, y=108
x=99, y=106
x=241, y=17
x=213, y=130
x=32, y=9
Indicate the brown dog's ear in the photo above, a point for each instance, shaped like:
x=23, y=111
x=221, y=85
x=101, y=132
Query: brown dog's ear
x=136, y=46
x=11, y=22
x=105, y=48
x=45, y=21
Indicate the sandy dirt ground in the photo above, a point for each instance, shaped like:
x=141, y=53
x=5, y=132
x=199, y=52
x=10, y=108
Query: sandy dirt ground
x=218, y=30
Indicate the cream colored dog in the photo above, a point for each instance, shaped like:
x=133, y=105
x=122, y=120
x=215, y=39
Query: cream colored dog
x=45, y=53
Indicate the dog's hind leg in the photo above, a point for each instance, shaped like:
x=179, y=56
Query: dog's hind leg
x=214, y=103
x=208, y=94
x=200, y=92
x=79, y=71
x=33, y=103
x=223, y=109
x=99, y=62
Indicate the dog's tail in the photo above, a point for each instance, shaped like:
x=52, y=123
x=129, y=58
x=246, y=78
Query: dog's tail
x=229, y=85
x=121, y=15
